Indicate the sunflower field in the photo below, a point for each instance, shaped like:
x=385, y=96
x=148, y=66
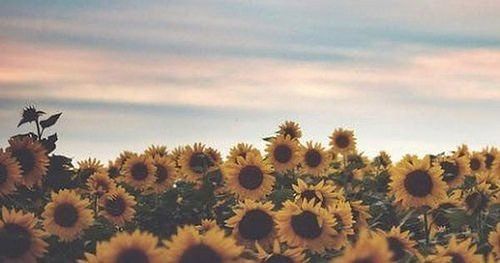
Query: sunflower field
x=295, y=201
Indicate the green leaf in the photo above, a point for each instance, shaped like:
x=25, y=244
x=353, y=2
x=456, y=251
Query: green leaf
x=50, y=121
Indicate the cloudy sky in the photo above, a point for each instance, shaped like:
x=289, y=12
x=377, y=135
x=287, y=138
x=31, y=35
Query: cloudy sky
x=407, y=77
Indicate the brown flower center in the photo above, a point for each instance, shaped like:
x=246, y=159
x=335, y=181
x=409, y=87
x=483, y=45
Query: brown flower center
x=313, y=158
x=282, y=153
x=456, y=258
x=397, y=248
x=310, y=195
x=65, y=215
x=475, y=164
x=115, y=206
x=418, y=183
x=161, y=174
x=26, y=159
x=251, y=177
x=15, y=240
x=290, y=131
x=198, y=162
x=278, y=258
x=342, y=141
x=450, y=171
x=255, y=225
x=132, y=255
x=139, y=171
x=306, y=225
x=200, y=253
x=490, y=158
x=364, y=260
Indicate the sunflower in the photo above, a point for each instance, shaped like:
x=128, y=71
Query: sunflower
x=290, y=255
x=99, y=183
x=438, y=220
x=194, y=162
x=32, y=157
x=10, y=173
x=214, y=155
x=342, y=213
x=454, y=169
x=189, y=246
x=360, y=213
x=249, y=178
x=283, y=153
x=88, y=167
x=477, y=162
x=137, y=247
x=367, y=249
x=462, y=150
x=417, y=184
x=494, y=240
x=176, y=154
x=118, y=206
x=456, y=252
x=156, y=150
x=314, y=159
x=240, y=150
x=165, y=174
x=383, y=159
x=113, y=170
x=306, y=225
x=123, y=157
x=399, y=243
x=343, y=141
x=253, y=222
x=67, y=215
x=490, y=155
x=139, y=172
x=478, y=198
x=20, y=240
x=291, y=129
x=321, y=192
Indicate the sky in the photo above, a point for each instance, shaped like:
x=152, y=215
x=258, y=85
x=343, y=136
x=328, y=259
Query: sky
x=406, y=76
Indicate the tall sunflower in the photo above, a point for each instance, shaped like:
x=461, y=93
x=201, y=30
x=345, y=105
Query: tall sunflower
x=306, y=225
x=32, y=157
x=368, y=248
x=156, y=150
x=253, y=222
x=342, y=213
x=456, y=251
x=88, y=167
x=99, y=183
x=249, y=178
x=118, y=206
x=343, y=141
x=194, y=162
x=10, y=173
x=189, y=246
x=137, y=247
x=454, y=169
x=20, y=239
x=165, y=174
x=278, y=255
x=240, y=150
x=477, y=162
x=67, y=215
x=494, y=240
x=291, y=129
x=314, y=159
x=322, y=193
x=417, y=184
x=400, y=244
x=139, y=172
x=283, y=153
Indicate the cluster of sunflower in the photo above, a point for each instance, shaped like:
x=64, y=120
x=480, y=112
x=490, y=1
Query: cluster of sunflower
x=295, y=202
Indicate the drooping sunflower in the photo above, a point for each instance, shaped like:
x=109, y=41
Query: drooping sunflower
x=253, y=222
x=490, y=154
x=494, y=240
x=100, y=183
x=417, y=183
x=240, y=150
x=189, y=246
x=165, y=174
x=477, y=162
x=32, y=157
x=456, y=251
x=139, y=172
x=342, y=213
x=10, y=173
x=118, y=206
x=67, y=215
x=249, y=178
x=322, y=193
x=283, y=152
x=343, y=141
x=278, y=255
x=291, y=129
x=368, y=248
x=156, y=150
x=137, y=247
x=306, y=225
x=454, y=169
x=20, y=239
x=88, y=167
x=194, y=162
x=399, y=243
x=314, y=159
x=360, y=213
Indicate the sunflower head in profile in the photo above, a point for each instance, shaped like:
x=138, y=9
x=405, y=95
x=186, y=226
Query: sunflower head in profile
x=10, y=173
x=400, y=244
x=139, y=172
x=454, y=169
x=100, y=183
x=241, y=150
x=249, y=178
x=279, y=255
x=343, y=141
x=306, y=225
x=283, y=152
x=137, y=247
x=477, y=198
x=88, y=167
x=291, y=129
x=32, y=157
x=165, y=174
x=322, y=193
x=342, y=213
x=360, y=213
x=456, y=251
x=118, y=206
x=253, y=222
x=189, y=246
x=195, y=162
x=67, y=215
x=369, y=248
x=383, y=159
x=416, y=184
x=20, y=240
x=490, y=154
x=156, y=150
x=439, y=219
x=477, y=162
x=494, y=241
x=314, y=159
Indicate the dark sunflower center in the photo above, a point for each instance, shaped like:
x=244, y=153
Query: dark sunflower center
x=456, y=258
x=65, y=215
x=290, y=132
x=282, y=153
x=132, y=255
x=418, y=183
x=113, y=172
x=115, y=206
x=161, y=174
x=15, y=240
x=278, y=258
x=306, y=225
x=255, y=225
x=475, y=164
x=342, y=141
x=364, y=260
x=489, y=158
x=198, y=162
x=26, y=159
x=139, y=171
x=397, y=248
x=3, y=174
x=250, y=177
x=476, y=201
x=450, y=171
x=309, y=195
x=313, y=158
x=200, y=253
